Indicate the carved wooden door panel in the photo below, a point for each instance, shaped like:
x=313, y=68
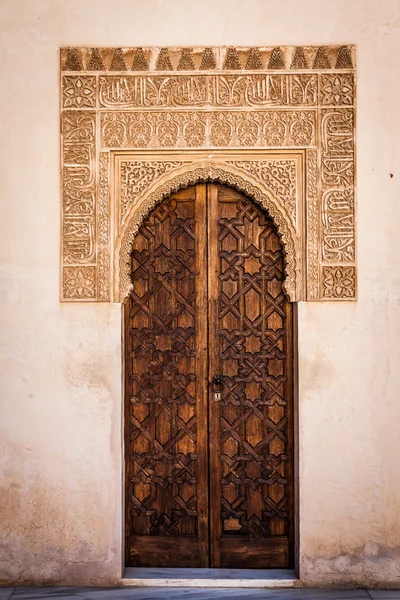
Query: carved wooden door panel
x=250, y=348
x=166, y=387
x=208, y=385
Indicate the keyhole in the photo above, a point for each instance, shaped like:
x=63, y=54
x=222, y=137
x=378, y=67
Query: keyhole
x=217, y=396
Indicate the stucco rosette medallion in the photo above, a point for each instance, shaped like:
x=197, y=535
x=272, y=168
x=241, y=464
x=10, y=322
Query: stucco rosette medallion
x=141, y=123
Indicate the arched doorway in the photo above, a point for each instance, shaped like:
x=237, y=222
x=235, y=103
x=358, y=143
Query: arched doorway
x=208, y=387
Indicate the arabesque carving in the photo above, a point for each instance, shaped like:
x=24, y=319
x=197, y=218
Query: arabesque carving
x=251, y=129
x=279, y=176
x=275, y=122
x=312, y=242
x=136, y=176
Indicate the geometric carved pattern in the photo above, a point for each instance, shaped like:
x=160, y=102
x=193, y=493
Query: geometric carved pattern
x=339, y=282
x=79, y=92
x=227, y=100
x=254, y=416
x=162, y=477
x=79, y=282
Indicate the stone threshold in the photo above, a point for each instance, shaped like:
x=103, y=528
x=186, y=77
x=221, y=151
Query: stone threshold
x=210, y=578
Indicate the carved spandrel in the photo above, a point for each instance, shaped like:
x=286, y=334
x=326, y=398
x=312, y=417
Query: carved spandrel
x=136, y=176
x=279, y=177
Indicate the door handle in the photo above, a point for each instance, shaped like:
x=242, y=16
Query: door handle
x=217, y=383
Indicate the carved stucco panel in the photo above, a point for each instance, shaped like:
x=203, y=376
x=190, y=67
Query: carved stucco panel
x=103, y=234
x=222, y=129
x=221, y=100
x=279, y=176
x=312, y=220
x=136, y=176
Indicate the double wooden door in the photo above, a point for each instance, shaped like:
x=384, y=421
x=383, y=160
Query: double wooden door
x=208, y=386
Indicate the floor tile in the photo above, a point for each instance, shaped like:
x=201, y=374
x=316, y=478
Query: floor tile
x=70, y=596
x=326, y=594
x=5, y=592
x=49, y=593
x=385, y=594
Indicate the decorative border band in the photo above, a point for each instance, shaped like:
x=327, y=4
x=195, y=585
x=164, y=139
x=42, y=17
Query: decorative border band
x=266, y=58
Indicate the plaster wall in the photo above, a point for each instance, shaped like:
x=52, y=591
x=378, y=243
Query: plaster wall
x=60, y=409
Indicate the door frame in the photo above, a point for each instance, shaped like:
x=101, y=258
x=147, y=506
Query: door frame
x=295, y=391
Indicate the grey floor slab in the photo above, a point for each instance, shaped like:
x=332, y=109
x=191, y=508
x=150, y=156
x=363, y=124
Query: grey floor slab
x=132, y=593
x=198, y=594
x=35, y=593
x=70, y=596
x=247, y=574
x=384, y=594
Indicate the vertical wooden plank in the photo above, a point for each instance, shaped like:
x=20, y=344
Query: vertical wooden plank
x=202, y=371
x=295, y=478
x=289, y=396
x=126, y=413
x=213, y=349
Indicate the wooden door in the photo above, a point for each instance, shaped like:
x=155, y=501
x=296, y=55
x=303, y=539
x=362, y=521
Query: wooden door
x=208, y=383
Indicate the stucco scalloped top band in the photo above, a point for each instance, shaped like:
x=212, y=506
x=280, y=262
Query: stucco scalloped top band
x=276, y=122
x=208, y=59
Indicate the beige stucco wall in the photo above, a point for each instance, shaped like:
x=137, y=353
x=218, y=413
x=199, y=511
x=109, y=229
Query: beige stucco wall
x=60, y=411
